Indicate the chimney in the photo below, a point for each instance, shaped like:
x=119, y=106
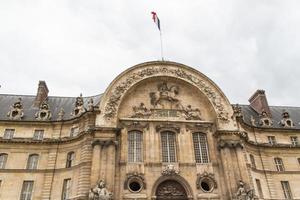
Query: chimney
x=42, y=94
x=258, y=102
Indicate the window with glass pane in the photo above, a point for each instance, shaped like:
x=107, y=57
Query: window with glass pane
x=70, y=159
x=286, y=190
x=9, y=133
x=26, y=192
x=272, y=140
x=38, y=134
x=200, y=148
x=3, y=159
x=32, y=161
x=74, y=131
x=259, y=189
x=294, y=140
x=168, y=144
x=66, y=190
x=252, y=160
x=135, y=146
x=279, y=164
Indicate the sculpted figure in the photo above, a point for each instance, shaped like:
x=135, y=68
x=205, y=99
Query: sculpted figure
x=192, y=114
x=79, y=107
x=44, y=112
x=243, y=194
x=99, y=192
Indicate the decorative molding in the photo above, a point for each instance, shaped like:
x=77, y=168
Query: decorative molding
x=230, y=144
x=240, y=134
x=44, y=112
x=135, y=176
x=170, y=170
x=135, y=125
x=16, y=111
x=206, y=176
x=105, y=143
x=198, y=127
x=167, y=126
x=134, y=77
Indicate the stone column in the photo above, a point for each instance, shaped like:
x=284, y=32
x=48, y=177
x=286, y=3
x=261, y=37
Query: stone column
x=110, y=166
x=96, y=164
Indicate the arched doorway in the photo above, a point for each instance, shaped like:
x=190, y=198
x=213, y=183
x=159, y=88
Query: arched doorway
x=170, y=190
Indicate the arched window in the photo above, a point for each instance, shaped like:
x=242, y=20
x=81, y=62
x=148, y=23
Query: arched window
x=135, y=146
x=32, y=161
x=200, y=148
x=70, y=159
x=252, y=160
x=168, y=146
x=3, y=159
x=279, y=164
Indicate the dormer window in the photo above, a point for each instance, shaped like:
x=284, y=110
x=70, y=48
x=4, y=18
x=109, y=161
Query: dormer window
x=265, y=120
x=286, y=120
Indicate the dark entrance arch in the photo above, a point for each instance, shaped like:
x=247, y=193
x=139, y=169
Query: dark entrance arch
x=170, y=190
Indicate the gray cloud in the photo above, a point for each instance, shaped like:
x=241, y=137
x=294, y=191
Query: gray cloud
x=80, y=46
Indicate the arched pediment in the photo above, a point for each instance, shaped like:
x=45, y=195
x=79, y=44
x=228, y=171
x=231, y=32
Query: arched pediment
x=162, y=70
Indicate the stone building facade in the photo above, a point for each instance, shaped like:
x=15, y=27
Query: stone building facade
x=160, y=131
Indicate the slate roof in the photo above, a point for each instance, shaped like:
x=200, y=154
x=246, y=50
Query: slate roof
x=55, y=104
x=276, y=112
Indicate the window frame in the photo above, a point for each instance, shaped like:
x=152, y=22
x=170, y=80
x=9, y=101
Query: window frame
x=66, y=189
x=9, y=133
x=252, y=161
x=38, y=134
x=272, y=140
x=4, y=161
x=168, y=147
x=201, y=151
x=286, y=189
x=137, y=150
x=294, y=142
x=259, y=188
x=279, y=164
x=70, y=159
x=29, y=190
x=32, y=161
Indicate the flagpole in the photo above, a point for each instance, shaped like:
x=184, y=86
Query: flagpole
x=161, y=46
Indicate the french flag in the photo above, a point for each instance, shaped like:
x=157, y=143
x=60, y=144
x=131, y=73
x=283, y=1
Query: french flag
x=155, y=19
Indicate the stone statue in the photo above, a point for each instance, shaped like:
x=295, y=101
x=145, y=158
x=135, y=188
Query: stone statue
x=16, y=111
x=192, y=114
x=141, y=111
x=91, y=104
x=99, y=192
x=44, y=112
x=79, y=107
x=61, y=114
x=242, y=193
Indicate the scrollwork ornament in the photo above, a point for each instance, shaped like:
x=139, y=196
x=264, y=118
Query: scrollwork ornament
x=44, y=112
x=16, y=111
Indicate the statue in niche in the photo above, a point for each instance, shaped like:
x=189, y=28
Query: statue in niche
x=242, y=193
x=192, y=114
x=44, y=112
x=16, y=111
x=99, y=192
x=79, y=107
x=141, y=111
x=165, y=97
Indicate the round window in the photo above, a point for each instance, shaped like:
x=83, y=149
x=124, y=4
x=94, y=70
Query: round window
x=135, y=186
x=207, y=185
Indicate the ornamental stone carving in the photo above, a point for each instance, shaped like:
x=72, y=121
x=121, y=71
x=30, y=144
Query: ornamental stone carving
x=207, y=178
x=61, y=114
x=165, y=92
x=243, y=194
x=265, y=120
x=286, y=120
x=237, y=110
x=44, y=112
x=99, y=192
x=170, y=170
x=79, y=107
x=135, y=177
x=91, y=104
x=16, y=111
x=141, y=111
x=192, y=113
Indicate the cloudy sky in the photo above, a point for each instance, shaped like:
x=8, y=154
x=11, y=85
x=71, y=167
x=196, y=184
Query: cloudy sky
x=81, y=45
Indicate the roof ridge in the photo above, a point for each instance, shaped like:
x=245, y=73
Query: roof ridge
x=27, y=95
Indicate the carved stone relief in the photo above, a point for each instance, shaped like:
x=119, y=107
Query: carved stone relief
x=171, y=190
x=207, y=178
x=135, y=125
x=166, y=93
x=286, y=120
x=168, y=126
x=265, y=120
x=136, y=178
x=170, y=170
x=99, y=192
x=16, y=111
x=79, y=107
x=244, y=194
x=44, y=112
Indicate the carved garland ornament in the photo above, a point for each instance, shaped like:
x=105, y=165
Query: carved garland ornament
x=120, y=89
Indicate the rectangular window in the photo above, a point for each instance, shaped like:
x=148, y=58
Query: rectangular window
x=286, y=190
x=135, y=144
x=74, y=131
x=200, y=148
x=3, y=159
x=9, y=134
x=38, y=135
x=259, y=189
x=294, y=140
x=252, y=160
x=66, y=191
x=26, y=192
x=168, y=147
x=272, y=140
x=279, y=164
